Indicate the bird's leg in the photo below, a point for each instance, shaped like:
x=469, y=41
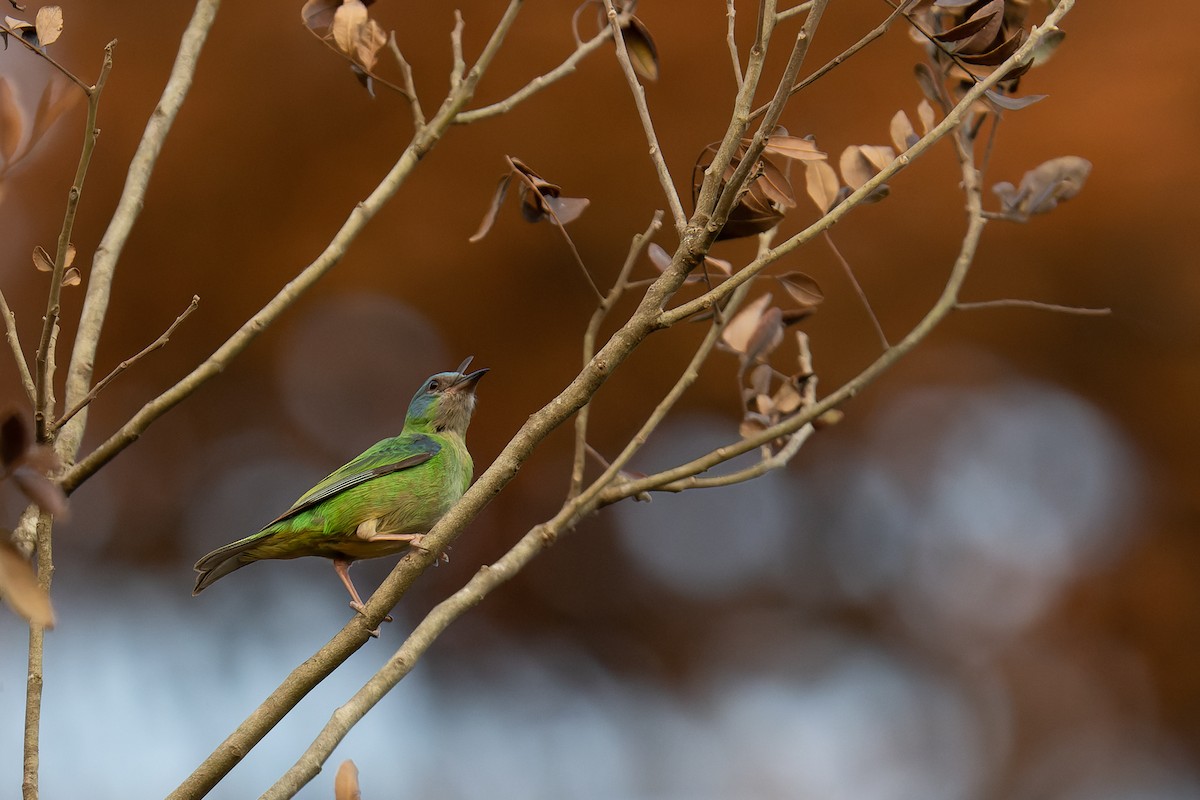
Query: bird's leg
x=368, y=531
x=342, y=567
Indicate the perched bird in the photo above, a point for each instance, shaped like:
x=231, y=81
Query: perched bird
x=380, y=503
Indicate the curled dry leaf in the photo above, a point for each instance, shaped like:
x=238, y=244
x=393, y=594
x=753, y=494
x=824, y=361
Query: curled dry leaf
x=1044, y=187
x=41, y=259
x=49, y=24
x=803, y=289
x=348, y=18
x=345, y=785
x=767, y=336
x=794, y=147
x=71, y=277
x=539, y=199
x=902, y=132
x=926, y=115
x=19, y=586
x=738, y=332
x=822, y=184
x=1012, y=103
x=317, y=15
x=643, y=54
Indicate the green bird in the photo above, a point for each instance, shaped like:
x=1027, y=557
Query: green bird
x=380, y=503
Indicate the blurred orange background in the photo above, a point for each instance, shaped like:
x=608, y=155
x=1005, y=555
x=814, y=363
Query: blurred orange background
x=983, y=583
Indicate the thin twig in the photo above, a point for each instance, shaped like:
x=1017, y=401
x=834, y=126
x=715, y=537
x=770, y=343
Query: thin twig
x=620, y=285
x=357, y=65
x=639, y=100
x=41, y=53
x=127, y=363
x=842, y=57
x=357, y=631
x=36, y=668
x=1082, y=311
x=410, y=87
x=936, y=133
x=533, y=187
x=129, y=206
x=456, y=49
x=540, y=82
x=780, y=16
x=14, y=342
x=731, y=42
x=749, y=161
x=43, y=411
x=862, y=295
x=946, y=303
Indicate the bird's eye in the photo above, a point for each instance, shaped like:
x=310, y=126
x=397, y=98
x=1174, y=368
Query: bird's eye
x=434, y=385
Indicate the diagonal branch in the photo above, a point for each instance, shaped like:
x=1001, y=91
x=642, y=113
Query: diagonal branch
x=943, y=128
x=639, y=100
x=95, y=304
x=14, y=342
x=127, y=363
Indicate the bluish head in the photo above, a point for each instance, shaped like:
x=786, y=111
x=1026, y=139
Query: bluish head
x=445, y=401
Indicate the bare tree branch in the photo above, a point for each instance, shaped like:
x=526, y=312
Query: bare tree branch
x=639, y=100
x=1034, y=304
x=108, y=253
x=127, y=363
x=948, y=124
x=14, y=342
x=43, y=409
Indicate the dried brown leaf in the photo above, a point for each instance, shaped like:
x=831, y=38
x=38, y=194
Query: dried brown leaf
x=71, y=277
x=787, y=398
x=42, y=260
x=317, y=15
x=489, y=218
x=741, y=328
x=1047, y=46
x=345, y=785
x=767, y=335
x=19, y=586
x=643, y=54
x=794, y=147
x=49, y=24
x=926, y=115
x=1045, y=186
x=998, y=54
x=775, y=185
x=1012, y=103
x=760, y=379
x=902, y=132
x=349, y=17
x=12, y=123
x=659, y=257
x=822, y=184
x=802, y=288
x=566, y=209
x=855, y=166
x=370, y=41
x=70, y=258
x=879, y=156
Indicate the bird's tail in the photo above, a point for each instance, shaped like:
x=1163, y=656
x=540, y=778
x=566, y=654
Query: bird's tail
x=221, y=562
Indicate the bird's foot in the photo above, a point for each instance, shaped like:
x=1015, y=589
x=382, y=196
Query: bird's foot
x=361, y=608
x=416, y=541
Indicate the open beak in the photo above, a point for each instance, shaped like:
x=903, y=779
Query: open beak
x=466, y=383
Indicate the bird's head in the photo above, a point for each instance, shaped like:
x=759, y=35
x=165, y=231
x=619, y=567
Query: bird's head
x=445, y=401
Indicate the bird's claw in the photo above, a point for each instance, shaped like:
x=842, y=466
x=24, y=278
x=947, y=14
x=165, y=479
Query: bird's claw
x=361, y=608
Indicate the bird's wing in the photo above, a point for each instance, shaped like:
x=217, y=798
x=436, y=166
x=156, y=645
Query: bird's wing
x=386, y=457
